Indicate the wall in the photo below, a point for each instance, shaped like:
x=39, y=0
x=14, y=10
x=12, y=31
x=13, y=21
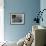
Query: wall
x=28, y=7
x=43, y=6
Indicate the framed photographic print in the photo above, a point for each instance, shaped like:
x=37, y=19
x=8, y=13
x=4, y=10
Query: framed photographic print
x=17, y=18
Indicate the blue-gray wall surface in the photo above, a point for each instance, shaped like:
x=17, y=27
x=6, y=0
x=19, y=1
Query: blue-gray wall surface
x=28, y=7
x=43, y=6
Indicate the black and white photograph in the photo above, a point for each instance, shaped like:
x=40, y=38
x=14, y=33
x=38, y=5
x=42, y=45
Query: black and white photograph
x=17, y=18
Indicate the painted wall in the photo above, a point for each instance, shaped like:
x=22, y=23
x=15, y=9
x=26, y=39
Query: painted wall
x=43, y=6
x=28, y=7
